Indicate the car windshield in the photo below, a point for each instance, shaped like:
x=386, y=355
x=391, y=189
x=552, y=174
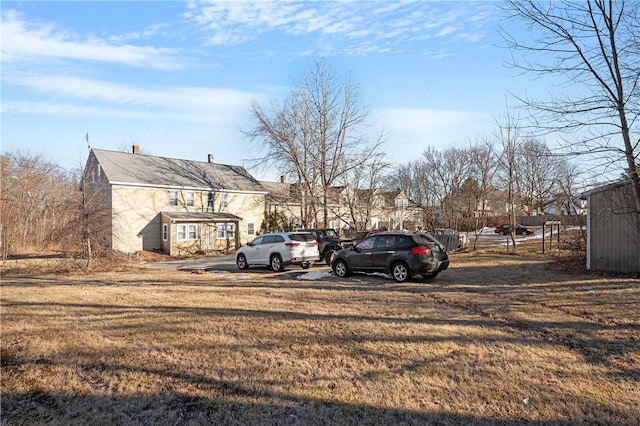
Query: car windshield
x=330, y=233
x=301, y=237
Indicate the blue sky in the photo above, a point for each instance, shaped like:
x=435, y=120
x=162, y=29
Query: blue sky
x=177, y=78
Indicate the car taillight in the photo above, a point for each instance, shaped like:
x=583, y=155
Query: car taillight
x=292, y=244
x=421, y=250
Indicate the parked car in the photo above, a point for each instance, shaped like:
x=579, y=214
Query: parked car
x=278, y=250
x=506, y=229
x=328, y=242
x=403, y=255
x=460, y=236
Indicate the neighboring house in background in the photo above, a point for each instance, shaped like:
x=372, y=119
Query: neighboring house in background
x=613, y=228
x=348, y=208
x=173, y=205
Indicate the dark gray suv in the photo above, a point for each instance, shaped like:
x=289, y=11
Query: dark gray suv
x=403, y=255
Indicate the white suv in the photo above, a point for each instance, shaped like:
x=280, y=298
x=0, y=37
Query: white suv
x=278, y=250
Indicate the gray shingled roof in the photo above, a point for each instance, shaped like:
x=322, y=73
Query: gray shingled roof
x=138, y=169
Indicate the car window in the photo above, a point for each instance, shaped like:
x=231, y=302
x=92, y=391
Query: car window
x=424, y=239
x=278, y=239
x=301, y=237
x=367, y=243
x=257, y=241
x=269, y=239
x=386, y=241
x=406, y=242
x=330, y=233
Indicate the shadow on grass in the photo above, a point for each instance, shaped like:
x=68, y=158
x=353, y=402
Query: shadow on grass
x=229, y=404
x=584, y=337
x=175, y=409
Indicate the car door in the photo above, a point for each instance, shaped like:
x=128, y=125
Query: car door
x=267, y=247
x=252, y=251
x=360, y=257
x=382, y=252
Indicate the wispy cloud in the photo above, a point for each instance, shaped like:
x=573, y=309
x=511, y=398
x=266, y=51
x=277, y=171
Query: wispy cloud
x=89, y=97
x=28, y=41
x=383, y=25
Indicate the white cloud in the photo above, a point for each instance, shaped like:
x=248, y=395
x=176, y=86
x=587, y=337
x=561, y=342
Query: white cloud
x=109, y=99
x=22, y=40
x=235, y=22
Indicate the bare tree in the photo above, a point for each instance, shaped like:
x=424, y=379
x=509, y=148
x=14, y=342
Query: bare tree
x=419, y=185
x=362, y=184
x=44, y=207
x=483, y=168
x=35, y=197
x=509, y=140
x=317, y=135
x=450, y=169
x=537, y=178
x=594, y=50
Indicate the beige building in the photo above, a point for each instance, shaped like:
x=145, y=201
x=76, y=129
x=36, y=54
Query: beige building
x=183, y=207
x=173, y=205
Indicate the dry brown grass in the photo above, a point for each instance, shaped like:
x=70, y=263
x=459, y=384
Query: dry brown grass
x=253, y=347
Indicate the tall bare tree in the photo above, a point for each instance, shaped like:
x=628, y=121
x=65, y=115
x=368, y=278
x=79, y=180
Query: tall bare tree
x=593, y=47
x=483, y=168
x=450, y=168
x=418, y=181
x=362, y=184
x=509, y=140
x=317, y=135
x=537, y=180
x=35, y=198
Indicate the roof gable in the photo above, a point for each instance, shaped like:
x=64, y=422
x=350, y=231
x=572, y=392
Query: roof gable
x=147, y=170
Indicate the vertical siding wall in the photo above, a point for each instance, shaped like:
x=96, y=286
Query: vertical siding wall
x=615, y=231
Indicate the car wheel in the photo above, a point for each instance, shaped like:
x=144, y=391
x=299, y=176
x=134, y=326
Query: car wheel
x=276, y=263
x=430, y=275
x=400, y=272
x=328, y=255
x=305, y=265
x=341, y=269
x=242, y=262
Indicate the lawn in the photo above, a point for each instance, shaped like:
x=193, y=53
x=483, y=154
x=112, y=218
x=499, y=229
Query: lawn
x=496, y=339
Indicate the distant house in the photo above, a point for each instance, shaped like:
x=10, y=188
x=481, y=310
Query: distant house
x=613, y=228
x=347, y=208
x=173, y=205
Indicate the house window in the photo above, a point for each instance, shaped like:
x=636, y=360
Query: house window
x=224, y=200
x=211, y=200
x=187, y=232
x=173, y=198
x=402, y=204
x=225, y=231
x=190, y=198
x=165, y=232
x=251, y=228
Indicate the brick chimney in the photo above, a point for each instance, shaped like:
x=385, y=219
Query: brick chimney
x=136, y=149
x=283, y=179
x=210, y=158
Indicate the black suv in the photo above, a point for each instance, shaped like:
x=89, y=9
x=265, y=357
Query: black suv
x=328, y=242
x=403, y=255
